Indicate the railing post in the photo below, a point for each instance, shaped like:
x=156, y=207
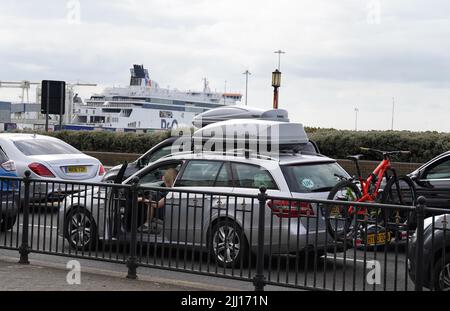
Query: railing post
x=132, y=260
x=24, y=249
x=420, y=213
x=259, y=280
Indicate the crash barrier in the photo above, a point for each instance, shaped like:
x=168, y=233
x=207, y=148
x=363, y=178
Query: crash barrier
x=256, y=238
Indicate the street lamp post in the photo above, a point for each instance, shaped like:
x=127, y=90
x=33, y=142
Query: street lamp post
x=276, y=82
x=246, y=73
x=393, y=111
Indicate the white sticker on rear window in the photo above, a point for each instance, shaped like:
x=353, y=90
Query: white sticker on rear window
x=308, y=183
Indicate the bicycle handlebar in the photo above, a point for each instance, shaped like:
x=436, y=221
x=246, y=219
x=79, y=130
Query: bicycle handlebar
x=385, y=153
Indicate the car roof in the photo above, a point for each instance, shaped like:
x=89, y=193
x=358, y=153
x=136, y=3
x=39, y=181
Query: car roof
x=23, y=136
x=433, y=160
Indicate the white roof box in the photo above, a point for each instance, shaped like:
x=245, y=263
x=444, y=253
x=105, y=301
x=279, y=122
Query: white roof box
x=238, y=112
x=259, y=131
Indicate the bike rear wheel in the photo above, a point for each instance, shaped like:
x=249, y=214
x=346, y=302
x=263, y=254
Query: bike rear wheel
x=400, y=191
x=337, y=217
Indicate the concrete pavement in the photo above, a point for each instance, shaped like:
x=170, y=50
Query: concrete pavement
x=44, y=276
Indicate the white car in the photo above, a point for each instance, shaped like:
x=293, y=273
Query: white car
x=50, y=158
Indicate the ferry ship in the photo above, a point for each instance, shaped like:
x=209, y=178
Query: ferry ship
x=144, y=106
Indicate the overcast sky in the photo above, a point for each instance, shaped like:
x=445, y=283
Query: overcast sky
x=340, y=54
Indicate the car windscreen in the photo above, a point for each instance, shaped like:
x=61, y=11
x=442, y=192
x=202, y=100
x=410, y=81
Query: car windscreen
x=31, y=147
x=313, y=177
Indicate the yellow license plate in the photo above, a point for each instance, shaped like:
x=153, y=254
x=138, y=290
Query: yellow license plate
x=381, y=239
x=76, y=169
x=335, y=212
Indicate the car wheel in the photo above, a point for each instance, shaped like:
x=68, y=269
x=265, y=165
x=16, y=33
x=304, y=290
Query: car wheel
x=7, y=222
x=228, y=244
x=442, y=274
x=80, y=229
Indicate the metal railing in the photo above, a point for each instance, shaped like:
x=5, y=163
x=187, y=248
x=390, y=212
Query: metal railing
x=278, y=241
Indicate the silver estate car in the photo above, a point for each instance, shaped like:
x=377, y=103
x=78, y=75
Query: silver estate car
x=195, y=215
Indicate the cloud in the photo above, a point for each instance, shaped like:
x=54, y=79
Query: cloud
x=335, y=59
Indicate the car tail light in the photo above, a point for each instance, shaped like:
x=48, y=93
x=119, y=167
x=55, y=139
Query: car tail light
x=101, y=171
x=9, y=166
x=290, y=209
x=41, y=170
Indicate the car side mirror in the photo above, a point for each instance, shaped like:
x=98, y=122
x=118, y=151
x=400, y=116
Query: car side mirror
x=418, y=176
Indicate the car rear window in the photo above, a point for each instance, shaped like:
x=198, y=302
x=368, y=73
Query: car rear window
x=316, y=177
x=252, y=176
x=33, y=147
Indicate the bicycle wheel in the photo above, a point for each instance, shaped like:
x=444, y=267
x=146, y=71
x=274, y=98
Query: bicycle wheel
x=403, y=193
x=337, y=217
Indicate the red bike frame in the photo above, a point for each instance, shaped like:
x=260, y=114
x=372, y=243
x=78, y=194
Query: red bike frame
x=379, y=172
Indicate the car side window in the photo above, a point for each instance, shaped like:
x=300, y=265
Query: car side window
x=252, y=176
x=199, y=173
x=155, y=176
x=440, y=171
x=223, y=179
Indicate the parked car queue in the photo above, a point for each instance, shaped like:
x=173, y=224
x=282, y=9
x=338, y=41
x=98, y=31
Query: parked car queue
x=48, y=157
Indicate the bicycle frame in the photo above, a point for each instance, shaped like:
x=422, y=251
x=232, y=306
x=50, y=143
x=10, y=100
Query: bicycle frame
x=379, y=173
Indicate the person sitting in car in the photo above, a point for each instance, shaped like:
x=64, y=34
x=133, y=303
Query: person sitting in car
x=153, y=224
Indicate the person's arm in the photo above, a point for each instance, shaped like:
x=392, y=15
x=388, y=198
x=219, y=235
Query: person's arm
x=141, y=199
x=159, y=204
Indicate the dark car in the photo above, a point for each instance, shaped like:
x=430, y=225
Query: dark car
x=432, y=180
x=158, y=151
x=436, y=254
x=165, y=148
x=9, y=196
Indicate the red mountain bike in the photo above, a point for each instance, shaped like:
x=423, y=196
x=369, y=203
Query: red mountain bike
x=371, y=226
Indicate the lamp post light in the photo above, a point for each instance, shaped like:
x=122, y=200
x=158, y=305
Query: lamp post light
x=276, y=82
x=279, y=52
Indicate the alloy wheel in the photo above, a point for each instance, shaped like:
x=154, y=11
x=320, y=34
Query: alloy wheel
x=80, y=227
x=227, y=244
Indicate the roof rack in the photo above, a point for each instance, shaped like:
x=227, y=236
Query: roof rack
x=247, y=153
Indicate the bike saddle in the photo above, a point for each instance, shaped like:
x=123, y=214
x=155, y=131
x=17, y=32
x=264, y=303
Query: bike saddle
x=355, y=157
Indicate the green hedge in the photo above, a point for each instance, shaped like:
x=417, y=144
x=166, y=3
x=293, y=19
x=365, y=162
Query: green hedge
x=423, y=145
x=110, y=141
x=333, y=143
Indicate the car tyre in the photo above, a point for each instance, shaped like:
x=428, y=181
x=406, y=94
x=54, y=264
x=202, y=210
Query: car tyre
x=228, y=244
x=80, y=229
x=338, y=220
x=442, y=274
x=7, y=222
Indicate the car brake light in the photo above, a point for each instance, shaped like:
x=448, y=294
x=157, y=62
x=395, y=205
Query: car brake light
x=41, y=170
x=9, y=166
x=101, y=171
x=290, y=209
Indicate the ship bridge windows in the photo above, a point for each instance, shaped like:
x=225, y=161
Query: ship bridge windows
x=111, y=110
